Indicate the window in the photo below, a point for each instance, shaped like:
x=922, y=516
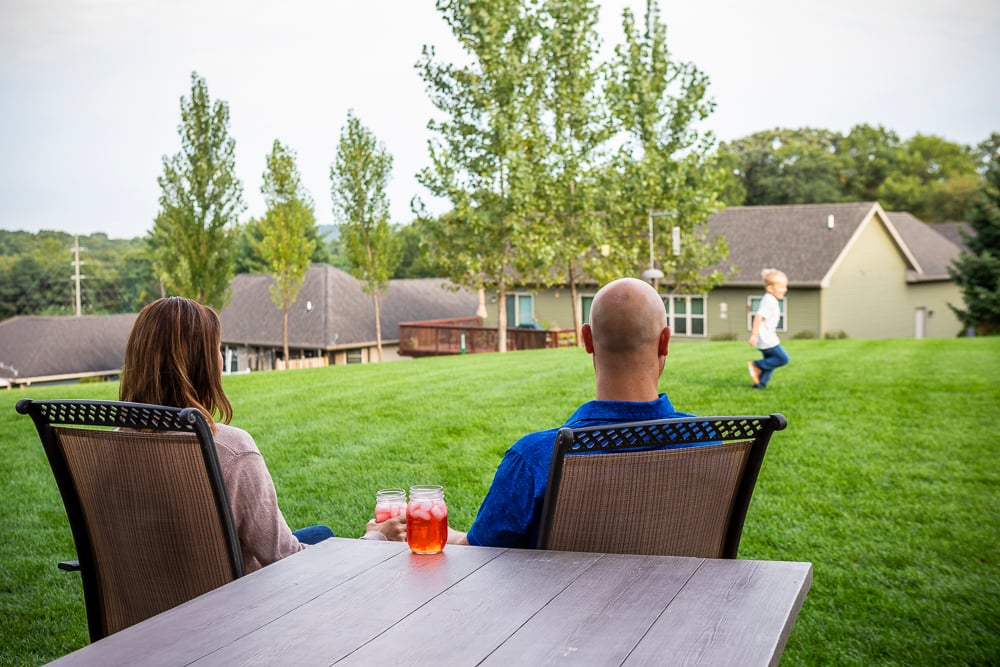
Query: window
x=685, y=314
x=355, y=356
x=754, y=303
x=585, y=303
x=520, y=309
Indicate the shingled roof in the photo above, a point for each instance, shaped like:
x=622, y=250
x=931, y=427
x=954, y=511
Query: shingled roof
x=953, y=231
x=933, y=250
x=801, y=241
x=332, y=311
x=34, y=346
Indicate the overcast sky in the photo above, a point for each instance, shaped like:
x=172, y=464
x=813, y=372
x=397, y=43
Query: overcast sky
x=91, y=88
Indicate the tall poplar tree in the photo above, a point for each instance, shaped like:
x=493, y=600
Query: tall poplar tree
x=359, y=178
x=193, y=242
x=287, y=231
x=664, y=170
x=486, y=149
x=579, y=126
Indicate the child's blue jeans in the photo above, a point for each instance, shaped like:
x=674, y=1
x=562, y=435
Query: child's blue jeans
x=774, y=357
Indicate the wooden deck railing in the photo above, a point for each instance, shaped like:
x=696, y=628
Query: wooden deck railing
x=468, y=336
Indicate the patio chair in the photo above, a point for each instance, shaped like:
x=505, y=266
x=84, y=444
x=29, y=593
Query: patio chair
x=143, y=492
x=677, y=487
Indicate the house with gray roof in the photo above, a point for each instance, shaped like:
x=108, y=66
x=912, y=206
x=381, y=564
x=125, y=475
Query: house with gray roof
x=37, y=349
x=853, y=270
x=332, y=320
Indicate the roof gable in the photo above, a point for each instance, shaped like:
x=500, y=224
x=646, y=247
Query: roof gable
x=807, y=242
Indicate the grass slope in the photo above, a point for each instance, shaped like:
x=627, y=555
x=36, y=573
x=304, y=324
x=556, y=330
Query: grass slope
x=886, y=479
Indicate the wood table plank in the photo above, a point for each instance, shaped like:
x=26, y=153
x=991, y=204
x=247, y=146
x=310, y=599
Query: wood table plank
x=341, y=617
x=463, y=624
x=601, y=616
x=227, y=614
x=731, y=612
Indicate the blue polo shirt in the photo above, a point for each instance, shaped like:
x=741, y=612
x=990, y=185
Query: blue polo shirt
x=512, y=510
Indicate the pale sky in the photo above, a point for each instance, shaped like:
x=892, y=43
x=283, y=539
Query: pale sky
x=91, y=88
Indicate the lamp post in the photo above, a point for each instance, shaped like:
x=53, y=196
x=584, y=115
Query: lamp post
x=653, y=274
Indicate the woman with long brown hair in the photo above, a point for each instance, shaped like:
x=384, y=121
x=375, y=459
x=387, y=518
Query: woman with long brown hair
x=173, y=357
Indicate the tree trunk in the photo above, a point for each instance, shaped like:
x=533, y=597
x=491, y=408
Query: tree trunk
x=577, y=311
x=502, y=318
x=285, y=334
x=378, y=325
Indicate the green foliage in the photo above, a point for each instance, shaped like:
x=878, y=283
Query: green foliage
x=927, y=176
x=194, y=237
x=664, y=172
x=567, y=187
x=487, y=150
x=35, y=272
x=896, y=511
x=285, y=244
x=978, y=272
x=359, y=179
x=415, y=261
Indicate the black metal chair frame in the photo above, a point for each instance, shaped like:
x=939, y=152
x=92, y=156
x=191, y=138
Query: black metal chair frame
x=667, y=434
x=122, y=415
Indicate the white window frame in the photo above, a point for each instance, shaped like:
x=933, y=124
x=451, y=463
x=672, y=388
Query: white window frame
x=514, y=319
x=688, y=316
x=752, y=308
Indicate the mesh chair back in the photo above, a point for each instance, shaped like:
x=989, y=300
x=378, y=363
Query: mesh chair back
x=146, y=504
x=676, y=487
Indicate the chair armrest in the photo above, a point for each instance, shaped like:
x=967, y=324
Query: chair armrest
x=70, y=565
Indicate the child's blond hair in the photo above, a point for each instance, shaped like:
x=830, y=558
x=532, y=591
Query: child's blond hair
x=772, y=275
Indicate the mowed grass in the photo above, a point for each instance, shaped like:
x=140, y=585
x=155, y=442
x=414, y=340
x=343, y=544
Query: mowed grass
x=887, y=478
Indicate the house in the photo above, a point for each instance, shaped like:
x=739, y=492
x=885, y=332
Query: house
x=332, y=320
x=853, y=270
x=38, y=349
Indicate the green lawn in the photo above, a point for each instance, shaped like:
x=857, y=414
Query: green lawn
x=887, y=478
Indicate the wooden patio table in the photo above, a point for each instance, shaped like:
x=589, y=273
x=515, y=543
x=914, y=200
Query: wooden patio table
x=361, y=602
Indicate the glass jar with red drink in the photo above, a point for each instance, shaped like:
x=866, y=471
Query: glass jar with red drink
x=389, y=503
x=426, y=520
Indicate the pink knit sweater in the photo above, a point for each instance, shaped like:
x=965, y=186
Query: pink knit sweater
x=264, y=535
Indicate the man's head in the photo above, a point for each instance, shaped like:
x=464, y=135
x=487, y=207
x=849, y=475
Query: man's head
x=628, y=336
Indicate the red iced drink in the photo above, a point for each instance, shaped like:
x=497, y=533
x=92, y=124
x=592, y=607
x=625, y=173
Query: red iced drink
x=426, y=520
x=389, y=503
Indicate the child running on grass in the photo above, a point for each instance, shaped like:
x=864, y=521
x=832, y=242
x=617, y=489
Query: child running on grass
x=763, y=334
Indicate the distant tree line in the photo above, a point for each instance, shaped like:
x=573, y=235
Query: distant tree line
x=927, y=176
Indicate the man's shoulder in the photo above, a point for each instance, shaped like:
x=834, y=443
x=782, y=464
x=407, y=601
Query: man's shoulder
x=530, y=442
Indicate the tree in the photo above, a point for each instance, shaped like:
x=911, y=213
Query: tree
x=786, y=166
x=286, y=243
x=193, y=241
x=934, y=180
x=579, y=127
x=867, y=155
x=665, y=171
x=249, y=260
x=978, y=271
x=358, y=187
x=487, y=148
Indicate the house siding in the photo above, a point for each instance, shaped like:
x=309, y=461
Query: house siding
x=867, y=293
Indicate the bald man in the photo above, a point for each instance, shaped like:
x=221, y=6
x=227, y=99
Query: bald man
x=628, y=338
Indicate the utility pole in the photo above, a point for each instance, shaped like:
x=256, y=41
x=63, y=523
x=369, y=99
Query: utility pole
x=76, y=273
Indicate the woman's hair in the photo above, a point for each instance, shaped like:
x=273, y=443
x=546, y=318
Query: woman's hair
x=771, y=275
x=172, y=358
